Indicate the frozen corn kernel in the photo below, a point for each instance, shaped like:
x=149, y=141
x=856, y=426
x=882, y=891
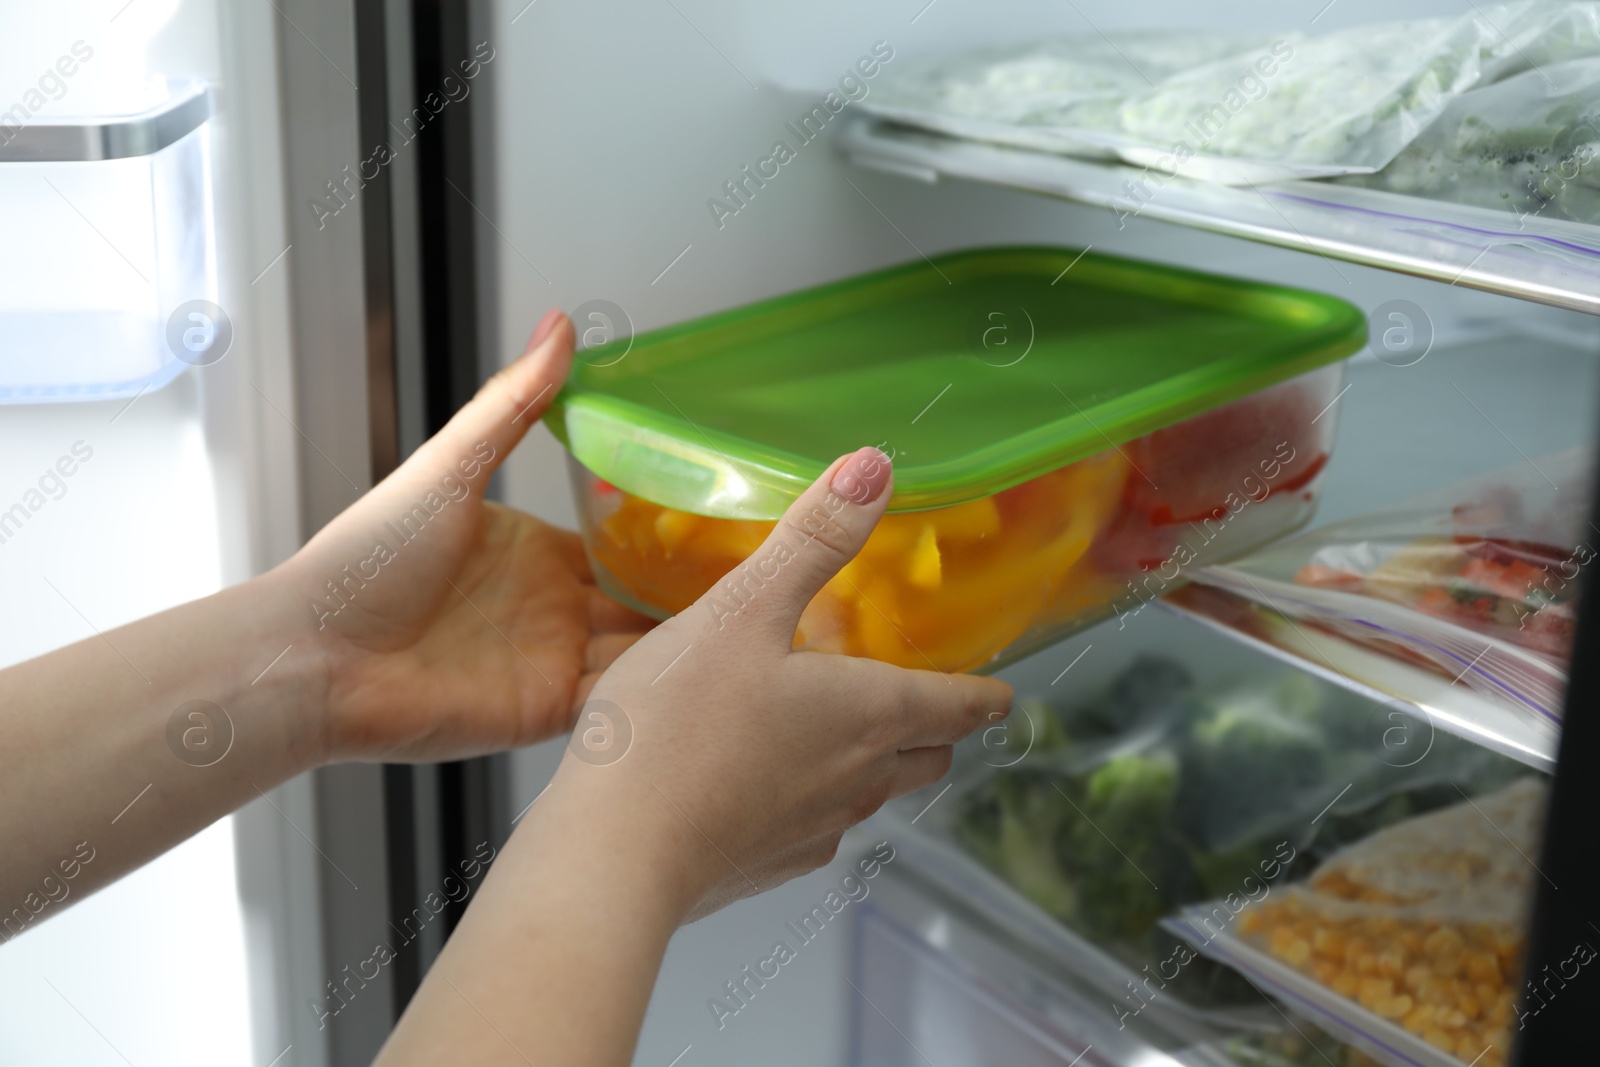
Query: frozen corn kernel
x=1393, y=1007
x=1419, y=1018
x=1482, y=967
x=1443, y=939
x=1373, y=991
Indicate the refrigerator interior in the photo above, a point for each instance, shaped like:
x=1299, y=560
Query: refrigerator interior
x=655, y=107
x=605, y=133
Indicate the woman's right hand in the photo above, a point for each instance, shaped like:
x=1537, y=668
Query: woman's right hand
x=747, y=760
x=710, y=762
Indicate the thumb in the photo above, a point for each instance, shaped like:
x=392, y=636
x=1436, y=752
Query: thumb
x=819, y=534
x=491, y=424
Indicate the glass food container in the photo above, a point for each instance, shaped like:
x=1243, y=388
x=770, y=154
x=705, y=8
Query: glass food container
x=1070, y=432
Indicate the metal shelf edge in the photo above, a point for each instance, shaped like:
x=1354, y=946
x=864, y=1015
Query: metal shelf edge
x=1267, y=215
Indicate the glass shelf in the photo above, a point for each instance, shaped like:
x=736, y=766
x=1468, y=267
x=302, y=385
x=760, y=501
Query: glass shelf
x=1549, y=261
x=1432, y=700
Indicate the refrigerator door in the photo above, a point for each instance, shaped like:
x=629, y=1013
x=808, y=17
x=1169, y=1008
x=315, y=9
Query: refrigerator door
x=141, y=164
x=185, y=168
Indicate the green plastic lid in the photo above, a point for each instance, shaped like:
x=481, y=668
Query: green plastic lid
x=976, y=370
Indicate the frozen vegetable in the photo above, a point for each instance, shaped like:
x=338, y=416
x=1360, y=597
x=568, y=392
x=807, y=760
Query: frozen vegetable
x=1422, y=923
x=1236, y=109
x=1493, y=586
x=1157, y=795
x=1529, y=145
x=1477, y=582
x=946, y=588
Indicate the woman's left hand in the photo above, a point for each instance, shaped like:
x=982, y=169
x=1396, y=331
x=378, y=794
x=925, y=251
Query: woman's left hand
x=447, y=625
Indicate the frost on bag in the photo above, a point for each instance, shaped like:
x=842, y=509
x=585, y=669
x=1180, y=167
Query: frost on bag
x=1422, y=923
x=1478, y=582
x=1237, y=109
x=1529, y=144
x=1009, y=94
x=1343, y=103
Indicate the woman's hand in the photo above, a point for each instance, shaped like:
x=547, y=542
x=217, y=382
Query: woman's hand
x=446, y=625
x=749, y=760
x=423, y=623
x=720, y=763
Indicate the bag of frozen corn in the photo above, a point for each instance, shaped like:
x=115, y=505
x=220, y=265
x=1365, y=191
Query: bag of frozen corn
x=1422, y=923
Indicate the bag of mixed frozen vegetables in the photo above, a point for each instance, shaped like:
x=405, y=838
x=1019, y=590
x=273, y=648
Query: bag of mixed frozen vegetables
x=1529, y=145
x=1235, y=108
x=1007, y=94
x=1478, y=582
x=1157, y=795
x=1422, y=923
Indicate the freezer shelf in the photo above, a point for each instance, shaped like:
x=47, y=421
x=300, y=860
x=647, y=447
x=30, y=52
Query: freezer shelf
x=1432, y=699
x=1403, y=432
x=1549, y=261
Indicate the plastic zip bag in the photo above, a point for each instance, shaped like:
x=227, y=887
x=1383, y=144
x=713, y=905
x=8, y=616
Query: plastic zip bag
x=1478, y=582
x=1232, y=108
x=1529, y=145
x=1006, y=94
x=1421, y=924
x=1155, y=795
x=1343, y=103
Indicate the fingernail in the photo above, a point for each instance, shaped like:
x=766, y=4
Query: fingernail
x=863, y=476
x=546, y=324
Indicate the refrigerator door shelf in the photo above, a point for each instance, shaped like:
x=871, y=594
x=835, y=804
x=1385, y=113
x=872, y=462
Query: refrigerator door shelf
x=91, y=139
x=108, y=280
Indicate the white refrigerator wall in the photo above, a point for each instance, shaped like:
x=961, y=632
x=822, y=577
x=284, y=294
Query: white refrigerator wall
x=615, y=122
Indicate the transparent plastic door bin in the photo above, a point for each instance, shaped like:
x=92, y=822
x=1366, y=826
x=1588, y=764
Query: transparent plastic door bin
x=108, y=255
x=1070, y=432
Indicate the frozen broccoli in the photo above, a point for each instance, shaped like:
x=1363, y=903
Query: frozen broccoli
x=1116, y=843
x=1247, y=762
x=1009, y=823
x=1149, y=685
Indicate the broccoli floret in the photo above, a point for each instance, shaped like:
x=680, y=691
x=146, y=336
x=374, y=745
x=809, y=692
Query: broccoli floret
x=1149, y=685
x=1010, y=823
x=1248, y=762
x=1115, y=841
